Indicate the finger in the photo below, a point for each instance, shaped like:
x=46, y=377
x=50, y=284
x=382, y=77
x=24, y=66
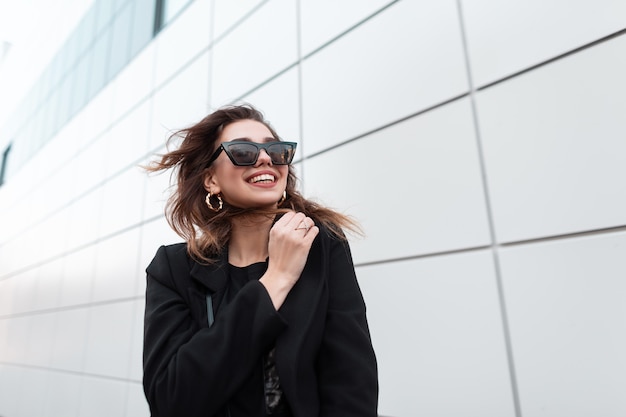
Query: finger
x=295, y=221
x=285, y=219
x=311, y=234
x=306, y=224
x=303, y=225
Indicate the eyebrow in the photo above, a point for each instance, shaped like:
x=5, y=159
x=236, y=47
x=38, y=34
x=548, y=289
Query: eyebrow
x=265, y=140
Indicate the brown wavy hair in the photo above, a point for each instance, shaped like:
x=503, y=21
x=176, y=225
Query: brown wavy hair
x=205, y=231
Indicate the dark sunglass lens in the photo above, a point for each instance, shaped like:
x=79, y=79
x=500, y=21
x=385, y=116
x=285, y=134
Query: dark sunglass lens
x=243, y=153
x=281, y=153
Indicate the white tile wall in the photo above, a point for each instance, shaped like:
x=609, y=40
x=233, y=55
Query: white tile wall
x=98, y=113
x=230, y=13
x=135, y=368
x=555, y=147
x=29, y=211
x=567, y=314
x=17, y=331
x=173, y=111
x=11, y=378
x=136, y=404
x=153, y=235
x=421, y=176
x=116, y=259
x=156, y=193
x=49, y=244
x=78, y=276
x=279, y=100
x=63, y=391
x=178, y=44
x=10, y=199
x=24, y=285
x=322, y=20
x=36, y=386
x=41, y=335
x=412, y=61
x=85, y=220
x=135, y=82
x=89, y=167
x=257, y=49
x=4, y=334
x=7, y=300
x=48, y=190
x=50, y=279
x=122, y=201
x=506, y=37
x=128, y=139
x=436, y=329
x=68, y=349
x=109, y=339
x=102, y=397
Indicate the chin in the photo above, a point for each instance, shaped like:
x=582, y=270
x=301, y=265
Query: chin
x=258, y=205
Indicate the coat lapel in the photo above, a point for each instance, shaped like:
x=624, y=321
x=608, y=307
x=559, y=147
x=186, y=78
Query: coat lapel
x=213, y=276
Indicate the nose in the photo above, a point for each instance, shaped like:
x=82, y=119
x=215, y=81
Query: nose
x=264, y=158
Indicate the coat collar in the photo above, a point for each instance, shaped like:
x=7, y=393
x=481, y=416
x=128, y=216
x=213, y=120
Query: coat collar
x=213, y=276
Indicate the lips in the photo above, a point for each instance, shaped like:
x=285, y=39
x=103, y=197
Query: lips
x=262, y=179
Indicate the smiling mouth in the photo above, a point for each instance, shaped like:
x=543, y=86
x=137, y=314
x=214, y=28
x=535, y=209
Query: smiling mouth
x=262, y=179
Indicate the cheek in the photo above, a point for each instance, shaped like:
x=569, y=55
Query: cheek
x=225, y=176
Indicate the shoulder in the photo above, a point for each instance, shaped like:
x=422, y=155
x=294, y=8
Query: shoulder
x=331, y=235
x=329, y=232
x=331, y=242
x=169, y=258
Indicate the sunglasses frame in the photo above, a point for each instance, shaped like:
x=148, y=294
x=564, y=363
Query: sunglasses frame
x=225, y=145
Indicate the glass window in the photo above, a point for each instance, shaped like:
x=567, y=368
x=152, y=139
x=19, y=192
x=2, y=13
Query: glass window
x=100, y=53
x=55, y=71
x=118, y=4
x=65, y=96
x=81, y=85
x=104, y=12
x=120, y=42
x=166, y=10
x=142, y=26
x=5, y=160
x=86, y=31
x=68, y=53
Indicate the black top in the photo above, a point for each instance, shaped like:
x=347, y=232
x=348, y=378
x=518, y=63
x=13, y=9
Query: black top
x=261, y=395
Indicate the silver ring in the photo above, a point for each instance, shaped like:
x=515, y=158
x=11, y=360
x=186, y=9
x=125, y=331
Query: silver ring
x=303, y=226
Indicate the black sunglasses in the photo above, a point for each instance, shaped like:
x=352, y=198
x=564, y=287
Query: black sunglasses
x=247, y=153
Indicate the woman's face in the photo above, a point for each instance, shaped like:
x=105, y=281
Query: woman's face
x=258, y=185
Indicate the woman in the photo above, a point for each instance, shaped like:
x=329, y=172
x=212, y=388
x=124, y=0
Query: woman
x=259, y=313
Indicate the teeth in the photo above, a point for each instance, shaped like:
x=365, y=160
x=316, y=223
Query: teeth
x=259, y=178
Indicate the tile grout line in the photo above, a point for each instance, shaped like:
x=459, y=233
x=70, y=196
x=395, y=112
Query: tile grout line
x=69, y=372
x=553, y=59
x=494, y=244
x=72, y=307
x=428, y=255
x=505, y=245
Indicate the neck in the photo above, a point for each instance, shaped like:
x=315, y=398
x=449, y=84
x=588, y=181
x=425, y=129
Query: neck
x=248, y=240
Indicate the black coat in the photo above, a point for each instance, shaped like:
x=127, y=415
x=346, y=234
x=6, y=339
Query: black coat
x=324, y=354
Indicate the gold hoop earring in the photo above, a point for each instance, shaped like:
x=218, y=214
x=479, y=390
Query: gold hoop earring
x=210, y=205
x=283, y=198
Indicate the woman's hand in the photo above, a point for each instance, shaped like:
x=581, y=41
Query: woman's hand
x=290, y=240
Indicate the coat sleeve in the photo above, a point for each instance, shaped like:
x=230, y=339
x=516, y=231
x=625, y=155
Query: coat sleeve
x=192, y=371
x=347, y=369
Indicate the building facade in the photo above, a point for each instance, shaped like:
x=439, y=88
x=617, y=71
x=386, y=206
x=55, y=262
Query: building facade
x=481, y=144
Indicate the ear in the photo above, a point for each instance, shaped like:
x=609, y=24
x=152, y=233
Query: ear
x=211, y=185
